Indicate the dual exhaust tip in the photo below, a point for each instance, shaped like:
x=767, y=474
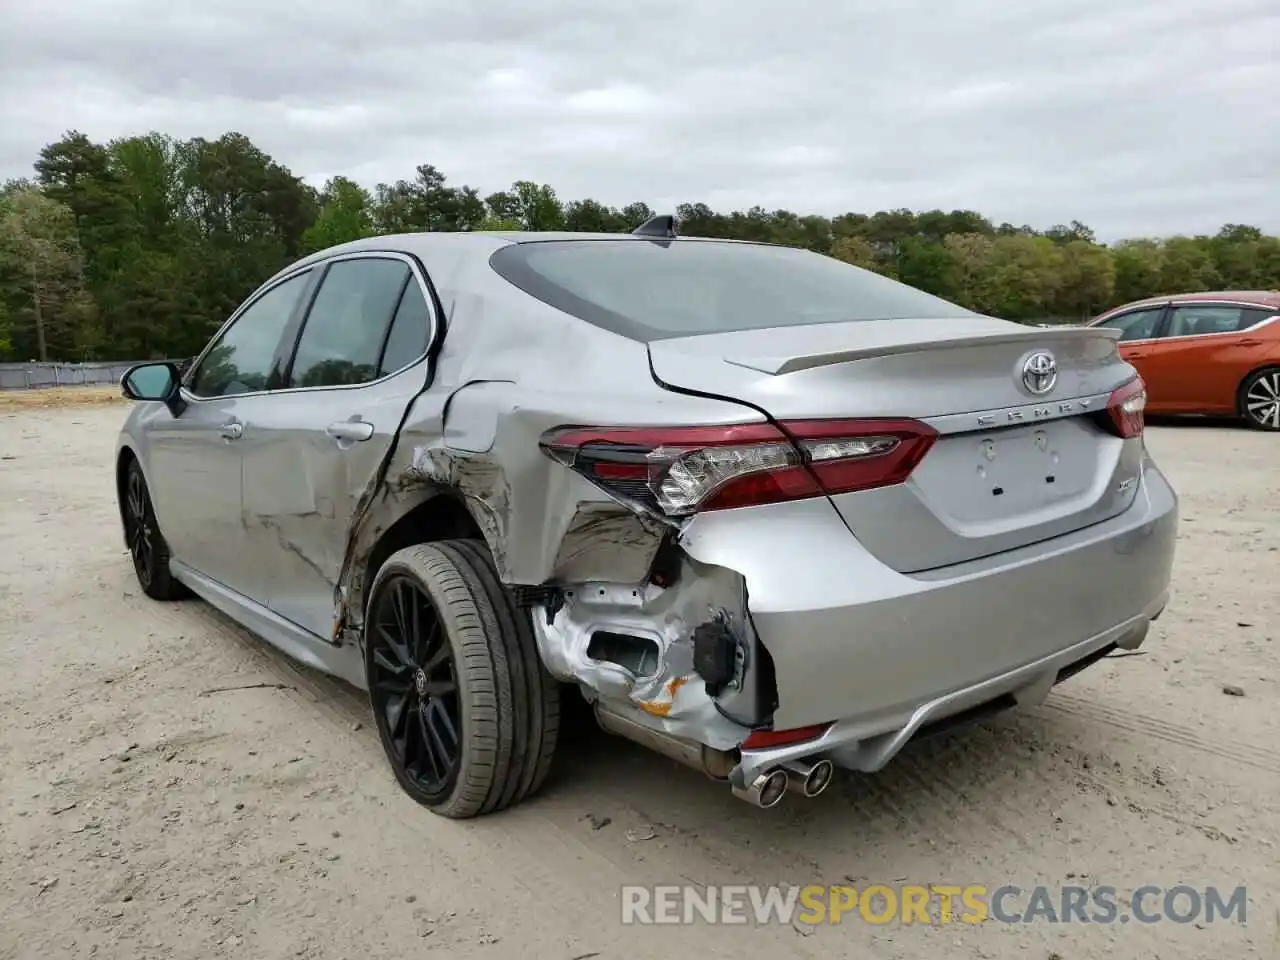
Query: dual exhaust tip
x=769, y=787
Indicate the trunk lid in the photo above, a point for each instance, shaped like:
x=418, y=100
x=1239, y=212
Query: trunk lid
x=1009, y=468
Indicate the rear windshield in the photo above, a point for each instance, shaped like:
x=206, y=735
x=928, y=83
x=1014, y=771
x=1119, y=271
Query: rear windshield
x=653, y=290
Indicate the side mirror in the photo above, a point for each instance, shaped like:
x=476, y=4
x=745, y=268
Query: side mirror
x=154, y=381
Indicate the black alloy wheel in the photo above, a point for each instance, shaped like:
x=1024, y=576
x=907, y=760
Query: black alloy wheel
x=414, y=689
x=147, y=547
x=138, y=528
x=467, y=714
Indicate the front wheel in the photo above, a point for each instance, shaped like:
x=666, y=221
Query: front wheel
x=1260, y=399
x=466, y=712
x=147, y=546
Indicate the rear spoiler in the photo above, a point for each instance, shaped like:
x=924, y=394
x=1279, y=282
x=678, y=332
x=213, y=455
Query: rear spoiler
x=894, y=344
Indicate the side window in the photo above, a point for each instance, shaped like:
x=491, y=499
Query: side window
x=342, y=336
x=407, y=340
x=1191, y=321
x=242, y=360
x=1139, y=325
x=1257, y=315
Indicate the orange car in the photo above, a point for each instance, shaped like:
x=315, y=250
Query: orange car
x=1206, y=353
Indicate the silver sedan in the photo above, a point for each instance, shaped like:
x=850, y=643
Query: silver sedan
x=769, y=513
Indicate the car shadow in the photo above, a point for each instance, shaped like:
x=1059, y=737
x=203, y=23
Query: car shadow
x=1193, y=421
x=1003, y=782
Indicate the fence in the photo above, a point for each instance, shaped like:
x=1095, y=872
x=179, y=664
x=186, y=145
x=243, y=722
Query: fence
x=30, y=376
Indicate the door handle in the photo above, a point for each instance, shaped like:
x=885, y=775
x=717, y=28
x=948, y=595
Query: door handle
x=350, y=431
x=233, y=430
x=1248, y=342
x=1134, y=355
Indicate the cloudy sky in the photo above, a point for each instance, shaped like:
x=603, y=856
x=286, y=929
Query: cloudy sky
x=1135, y=116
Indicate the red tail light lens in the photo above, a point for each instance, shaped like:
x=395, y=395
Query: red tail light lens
x=685, y=470
x=1125, y=409
x=764, y=739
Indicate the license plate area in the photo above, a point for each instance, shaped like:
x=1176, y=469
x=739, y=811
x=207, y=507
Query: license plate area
x=1017, y=474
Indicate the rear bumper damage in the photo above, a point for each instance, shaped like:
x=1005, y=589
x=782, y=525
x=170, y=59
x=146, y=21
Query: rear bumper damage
x=825, y=635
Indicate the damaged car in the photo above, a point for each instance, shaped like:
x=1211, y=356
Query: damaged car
x=769, y=513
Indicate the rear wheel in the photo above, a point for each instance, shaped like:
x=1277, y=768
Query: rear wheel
x=1260, y=399
x=147, y=546
x=466, y=712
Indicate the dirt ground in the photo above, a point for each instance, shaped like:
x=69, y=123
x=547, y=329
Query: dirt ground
x=170, y=787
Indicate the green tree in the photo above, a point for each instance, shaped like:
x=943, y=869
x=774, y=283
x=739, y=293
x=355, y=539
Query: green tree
x=1026, y=272
x=1088, y=281
x=1187, y=265
x=970, y=282
x=855, y=250
x=1137, y=265
x=46, y=308
x=346, y=214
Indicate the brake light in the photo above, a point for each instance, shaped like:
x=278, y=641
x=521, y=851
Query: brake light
x=1125, y=409
x=684, y=470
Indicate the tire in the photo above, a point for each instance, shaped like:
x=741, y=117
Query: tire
x=147, y=546
x=1261, y=389
x=476, y=734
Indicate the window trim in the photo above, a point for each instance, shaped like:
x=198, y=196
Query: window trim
x=304, y=301
x=287, y=348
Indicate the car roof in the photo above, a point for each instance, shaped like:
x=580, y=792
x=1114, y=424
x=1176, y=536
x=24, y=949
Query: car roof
x=440, y=249
x=492, y=239
x=1261, y=298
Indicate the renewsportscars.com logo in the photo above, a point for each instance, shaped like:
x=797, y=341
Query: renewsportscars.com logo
x=932, y=904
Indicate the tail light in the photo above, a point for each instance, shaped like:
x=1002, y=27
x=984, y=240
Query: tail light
x=1125, y=409
x=684, y=470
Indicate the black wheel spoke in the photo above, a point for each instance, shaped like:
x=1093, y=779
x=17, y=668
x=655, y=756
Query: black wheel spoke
x=401, y=620
x=137, y=508
x=413, y=635
x=138, y=530
x=414, y=687
x=396, y=710
x=439, y=657
x=431, y=747
x=412, y=737
x=397, y=648
x=384, y=662
x=394, y=686
x=442, y=726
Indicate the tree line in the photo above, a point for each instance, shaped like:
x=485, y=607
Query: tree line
x=141, y=247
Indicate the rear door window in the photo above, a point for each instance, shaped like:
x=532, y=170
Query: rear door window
x=1256, y=315
x=410, y=328
x=1193, y=320
x=342, y=337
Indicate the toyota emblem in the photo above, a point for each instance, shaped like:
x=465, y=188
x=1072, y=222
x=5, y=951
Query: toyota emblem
x=1039, y=372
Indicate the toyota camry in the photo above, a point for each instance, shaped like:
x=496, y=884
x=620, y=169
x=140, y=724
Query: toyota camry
x=769, y=513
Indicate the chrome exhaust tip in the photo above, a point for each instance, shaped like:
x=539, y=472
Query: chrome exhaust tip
x=809, y=779
x=766, y=790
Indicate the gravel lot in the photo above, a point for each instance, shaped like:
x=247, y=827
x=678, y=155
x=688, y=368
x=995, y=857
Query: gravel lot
x=148, y=811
